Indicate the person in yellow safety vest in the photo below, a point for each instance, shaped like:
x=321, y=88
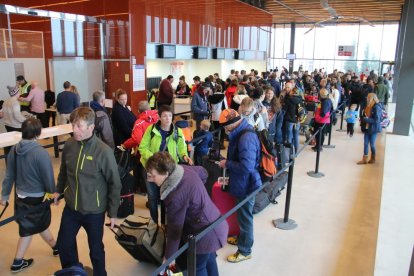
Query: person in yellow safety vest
x=25, y=88
x=152, y=98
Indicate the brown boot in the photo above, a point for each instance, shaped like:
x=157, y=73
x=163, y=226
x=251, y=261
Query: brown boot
x=372, y=160
x=363, y=161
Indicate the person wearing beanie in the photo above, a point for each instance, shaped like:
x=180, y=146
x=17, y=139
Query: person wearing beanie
x=12, y=117
x=243, y=157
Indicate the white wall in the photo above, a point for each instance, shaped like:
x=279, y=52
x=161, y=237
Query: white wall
x=34, y=70
x=203, y=68
x=86, y=75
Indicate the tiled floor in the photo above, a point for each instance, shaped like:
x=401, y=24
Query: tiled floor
x=338, y=217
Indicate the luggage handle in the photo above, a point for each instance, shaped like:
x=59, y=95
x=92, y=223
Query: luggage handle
x=5, y=207
x=115, y=226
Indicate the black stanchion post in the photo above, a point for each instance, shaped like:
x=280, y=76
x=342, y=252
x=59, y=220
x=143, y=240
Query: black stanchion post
x=329, y=146
x=285, y=223
x=191, y=256
x=316, y=173
x=342, y=118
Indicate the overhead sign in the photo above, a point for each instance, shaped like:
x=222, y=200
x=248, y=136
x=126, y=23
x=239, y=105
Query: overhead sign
x=346, y=51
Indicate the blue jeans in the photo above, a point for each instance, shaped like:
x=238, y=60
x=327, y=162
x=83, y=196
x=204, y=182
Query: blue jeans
x=292, y=134
x=206, y=264
x=153, y=192
x=245, y=219
x=70, y=224
x=369, y=140
x=279, y=127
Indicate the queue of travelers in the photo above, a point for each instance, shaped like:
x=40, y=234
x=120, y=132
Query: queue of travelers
x=163, y=168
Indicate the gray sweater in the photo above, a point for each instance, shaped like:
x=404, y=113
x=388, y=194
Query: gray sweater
x=34, y=171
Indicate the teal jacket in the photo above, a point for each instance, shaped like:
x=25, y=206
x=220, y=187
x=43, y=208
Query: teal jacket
x=89, y=177
x=152, y=139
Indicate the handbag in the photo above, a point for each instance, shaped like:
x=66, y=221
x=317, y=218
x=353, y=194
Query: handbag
x=32, y=222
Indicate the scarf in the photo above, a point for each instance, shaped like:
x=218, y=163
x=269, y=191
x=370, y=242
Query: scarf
x=171, y=182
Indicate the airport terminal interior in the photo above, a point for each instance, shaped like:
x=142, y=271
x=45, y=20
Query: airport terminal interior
x=353, y=220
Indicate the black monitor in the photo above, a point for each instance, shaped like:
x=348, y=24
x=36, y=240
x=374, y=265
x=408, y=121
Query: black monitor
x=200, y=52
x=239, y=54
x=218, y=53
x=166, y=51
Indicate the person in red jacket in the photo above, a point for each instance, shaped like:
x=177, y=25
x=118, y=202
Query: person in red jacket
x=146, y=118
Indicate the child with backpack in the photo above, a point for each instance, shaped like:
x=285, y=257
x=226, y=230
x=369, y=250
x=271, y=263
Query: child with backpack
x=202, y=146
x=351, y=116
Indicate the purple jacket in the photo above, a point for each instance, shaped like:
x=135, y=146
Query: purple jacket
x=190, y=210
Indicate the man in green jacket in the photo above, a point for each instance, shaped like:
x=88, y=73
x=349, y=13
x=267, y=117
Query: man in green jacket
x=382, y=91
x=91, y=184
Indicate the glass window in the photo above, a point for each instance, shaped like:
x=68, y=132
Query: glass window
x=281, y=41
x=246, y=38
x=79, y=38
x=157, y=29
x=69, y=28
x=304, y=41
x=389, y=42
x=253, y=38
x=370, y=42
x=346, y=35
x=325, y=42
x=57, y=41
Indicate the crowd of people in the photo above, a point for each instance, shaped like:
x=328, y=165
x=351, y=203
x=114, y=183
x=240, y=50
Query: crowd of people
x=163, y=168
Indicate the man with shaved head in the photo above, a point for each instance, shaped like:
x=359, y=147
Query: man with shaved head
x=36, y=99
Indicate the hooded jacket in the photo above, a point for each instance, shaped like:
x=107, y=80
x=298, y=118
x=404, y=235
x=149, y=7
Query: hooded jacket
x=199, y=106
x=34, y=173
x=144, y=120
x=382, y=92
x=152, y=139
x=243, y=156
x=122, y=121
x=89, y=177
x=190, y=210
x=254, y=119
x=291, y=107
x=12, y=116
x=218, y=102
x=103, y=125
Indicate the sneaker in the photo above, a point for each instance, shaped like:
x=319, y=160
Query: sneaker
x=238, y=257
x=232, y=240
x=19, y=265
x=55, y=251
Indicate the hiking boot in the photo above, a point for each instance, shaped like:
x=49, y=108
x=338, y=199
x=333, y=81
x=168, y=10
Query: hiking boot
x=55, y=251
x=238, y=257
x=19, y=265
x=232, y=240
x=372, y=160
x=363, y=161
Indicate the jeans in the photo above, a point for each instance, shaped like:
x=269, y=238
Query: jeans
x=70, y=224
x=292, y=134
x=206, y=264
x=369, y=139
x=153, y=192
x=245, y=219
x=279, y=127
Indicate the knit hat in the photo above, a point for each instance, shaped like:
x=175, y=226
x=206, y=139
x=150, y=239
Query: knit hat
x=228, y=117
x=12, y=90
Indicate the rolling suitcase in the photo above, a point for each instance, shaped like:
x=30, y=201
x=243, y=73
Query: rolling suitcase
x=126, y=204
x=270, y=193
x=142, y=238
x=225, y=202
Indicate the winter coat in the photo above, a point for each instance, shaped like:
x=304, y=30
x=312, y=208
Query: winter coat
x=373, y=122
x=34, y=173
x=103, y=125
x=291, y=107
x=144, y=120
x=243, y=156
x=122, y=121
x=351, y=116
x=189, y=210
x=230, y=92
x=183, y=91
x=254, y=119
x=199, y=106
x=12, y=116
x=218, y=102
x=166, y=93
x=323, y=111
x=382, y=92
x=203, y=145
x=276, y=86
x=89, y=177
x=152, y=139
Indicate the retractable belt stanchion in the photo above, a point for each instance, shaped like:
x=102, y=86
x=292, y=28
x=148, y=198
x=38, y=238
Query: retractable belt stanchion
x=285, y=223
x=191, y=256
x=329, y=146
x=317, y=173
x=342, y=117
